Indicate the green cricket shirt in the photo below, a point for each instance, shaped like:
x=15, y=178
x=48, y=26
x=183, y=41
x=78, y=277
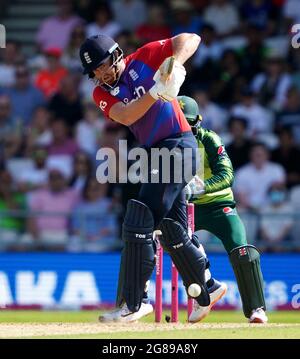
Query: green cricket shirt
x=218, y=171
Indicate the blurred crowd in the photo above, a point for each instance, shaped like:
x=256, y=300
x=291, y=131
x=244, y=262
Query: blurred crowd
x=245, y=78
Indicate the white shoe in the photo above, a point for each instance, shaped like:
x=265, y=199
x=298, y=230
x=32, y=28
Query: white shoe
x=199, y=313
x=109, y=316
x=124, y=315
x=258, y=316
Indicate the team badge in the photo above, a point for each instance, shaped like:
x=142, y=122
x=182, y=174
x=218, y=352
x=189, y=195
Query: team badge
x=242, y=252
x=181, y=104
x=87, y=58
x=133, y=75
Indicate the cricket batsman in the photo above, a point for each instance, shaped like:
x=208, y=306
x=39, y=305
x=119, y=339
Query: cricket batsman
x=140, y=92
x=215, y=212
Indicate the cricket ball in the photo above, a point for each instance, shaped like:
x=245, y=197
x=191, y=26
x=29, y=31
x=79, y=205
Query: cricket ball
x=194, y=290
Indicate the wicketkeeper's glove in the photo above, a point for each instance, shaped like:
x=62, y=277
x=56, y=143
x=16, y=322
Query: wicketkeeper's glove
x=194, y=189
x=168, y=80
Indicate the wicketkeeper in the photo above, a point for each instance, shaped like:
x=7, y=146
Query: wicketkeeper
x=215, y=212
x=140, y=91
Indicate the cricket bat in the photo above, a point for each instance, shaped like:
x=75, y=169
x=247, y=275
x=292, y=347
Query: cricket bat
x=165, y=73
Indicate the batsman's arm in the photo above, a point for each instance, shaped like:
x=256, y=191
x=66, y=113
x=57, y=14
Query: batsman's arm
x=127, y=114
x=118, y=111
x=184, y=46
x=219, y=162
x=168, y=80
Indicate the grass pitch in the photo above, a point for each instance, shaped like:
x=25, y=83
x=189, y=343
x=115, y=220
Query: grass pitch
x=84, y=324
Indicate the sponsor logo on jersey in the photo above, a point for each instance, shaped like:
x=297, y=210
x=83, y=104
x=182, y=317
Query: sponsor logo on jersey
x=221, y=150
x=102, y=105
x=229, y=211
x=133, y=75
x=115, y=91
x=139, y=91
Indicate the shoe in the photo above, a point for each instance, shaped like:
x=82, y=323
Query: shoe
x=258, y=316
x=124, y=315
x=109, y=316
x=216, y=292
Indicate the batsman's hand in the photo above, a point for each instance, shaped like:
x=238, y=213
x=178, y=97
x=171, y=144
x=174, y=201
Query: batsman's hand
x=168, y=80
x=194, y=189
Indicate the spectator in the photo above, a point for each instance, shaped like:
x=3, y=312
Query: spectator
x=94, y=221
x=211, y=51
x=276, y=220
x=291, y=12
x=66, y=103
x=53, y=205
x=254, y=53
x=85, y=9
x=24, y=96
x=155, y=28
x=259, y=119
x=127, y=42
x=129, y=13
x=39, y=132
x=104, y=23
x=289, y=116
x=294, y=64
x=10, y=131
x=286, y=154
x=213, y=115
x=259, y=13
x=11, y=224
x=254, y=179
x=295, y=202
x=70, y=58
x=223, y=16
x=83, y=167
x=62, y=143
x=271, y=86
x=36, y=177
x=112, y=134
x=10, y=56
x=48, y=80
x=6, y=118
x=199, y=5
x=228, y=81
x=184, y=18
x=239, y=147
x=55, y=31
x=89, y=130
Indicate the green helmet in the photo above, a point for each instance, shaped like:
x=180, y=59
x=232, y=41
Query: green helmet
x=190, y=109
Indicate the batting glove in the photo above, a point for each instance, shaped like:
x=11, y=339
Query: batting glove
x=167, y=87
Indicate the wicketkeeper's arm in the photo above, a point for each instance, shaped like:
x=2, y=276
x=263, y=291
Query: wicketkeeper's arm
x=219, y=162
